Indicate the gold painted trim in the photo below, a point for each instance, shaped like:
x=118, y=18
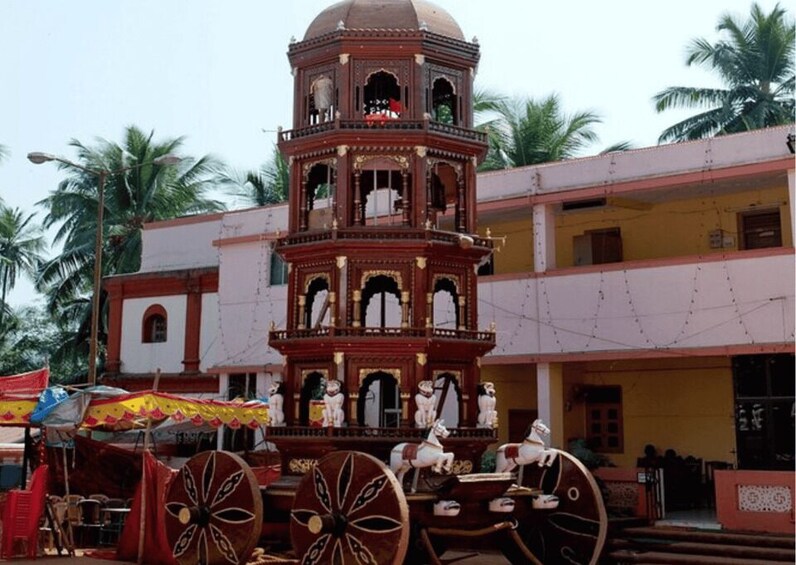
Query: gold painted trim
x=361, y=160
x=395, y=373
x=367, y=275
x=308, y=280
x=447, y=276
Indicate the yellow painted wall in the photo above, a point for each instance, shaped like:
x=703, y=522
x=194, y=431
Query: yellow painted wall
x=516, y=254
x=670, y=229
x=681, y=404
x=515, y=387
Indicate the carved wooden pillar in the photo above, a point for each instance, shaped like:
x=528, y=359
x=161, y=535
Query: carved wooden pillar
x=303, y=204
x=405, y=197
x=332, y=311
x=461, y=204
x=357, y=311
x=405, y=309
x=302, y=303
x=462, y=313
x=358, y=216
x=429, y=312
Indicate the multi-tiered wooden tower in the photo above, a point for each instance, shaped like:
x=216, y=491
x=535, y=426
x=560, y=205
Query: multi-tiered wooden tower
x=382, y=250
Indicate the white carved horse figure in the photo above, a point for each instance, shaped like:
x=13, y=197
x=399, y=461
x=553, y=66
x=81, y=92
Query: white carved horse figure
x=405, y=456
x=532, y=449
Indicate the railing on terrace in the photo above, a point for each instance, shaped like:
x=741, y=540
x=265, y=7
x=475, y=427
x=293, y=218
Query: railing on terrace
x=371, y=233
x=365, y=432
x=468, y=335
x=385, y=124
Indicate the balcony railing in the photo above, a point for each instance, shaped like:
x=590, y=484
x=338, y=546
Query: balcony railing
x=486, y=337
x=385, y=124
x=381, y=433
x=380, y=233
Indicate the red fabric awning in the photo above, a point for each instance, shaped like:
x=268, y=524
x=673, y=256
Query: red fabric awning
x=29, y=383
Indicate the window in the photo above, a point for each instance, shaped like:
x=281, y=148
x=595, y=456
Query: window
x=604, y=430
x=760, y=229
x=764, y=409
x=154, y=328
x=278, y=270
x=596, y=247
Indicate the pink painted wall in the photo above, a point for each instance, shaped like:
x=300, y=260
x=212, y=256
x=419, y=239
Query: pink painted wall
x=760, y=501
x=628, y=477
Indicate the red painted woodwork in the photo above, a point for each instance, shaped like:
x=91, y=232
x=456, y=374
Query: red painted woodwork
x=168, y=383
x=428, y=158
x=193, y=330
x=193, y=283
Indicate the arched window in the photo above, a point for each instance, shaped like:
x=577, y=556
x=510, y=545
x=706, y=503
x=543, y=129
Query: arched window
x=154, y=328
x=444, y=102
x=382, y=95
x=446, y=297
x=379, y=403
x=381, y=307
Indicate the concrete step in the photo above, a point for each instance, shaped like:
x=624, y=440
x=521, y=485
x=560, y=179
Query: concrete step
x=625, y=556
x=783, y=541
x=775, y=554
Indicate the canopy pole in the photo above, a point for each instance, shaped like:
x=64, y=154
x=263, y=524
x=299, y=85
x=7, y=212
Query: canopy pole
x=70, y=533
x=23, y=479
x=142, y=516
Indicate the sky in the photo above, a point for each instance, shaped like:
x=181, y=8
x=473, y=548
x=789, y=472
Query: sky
x=216, y=71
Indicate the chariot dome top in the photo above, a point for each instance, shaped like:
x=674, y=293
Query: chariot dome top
x=384, y=14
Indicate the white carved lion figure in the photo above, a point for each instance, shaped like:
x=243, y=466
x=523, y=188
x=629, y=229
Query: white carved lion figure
x=426, y=413
x=333, y=400
x=487, y=414
x=276, y=403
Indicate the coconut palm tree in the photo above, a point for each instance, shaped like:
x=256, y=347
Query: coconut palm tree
x=754, y=60
x=21, y=249
x=143, y=194
x=528, y=132
x=267, y=185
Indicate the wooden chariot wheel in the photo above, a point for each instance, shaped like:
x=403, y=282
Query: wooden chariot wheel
x=350, y=509
x=214, y=511
x=574, y=532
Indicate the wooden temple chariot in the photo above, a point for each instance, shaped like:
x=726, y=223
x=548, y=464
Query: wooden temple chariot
x=382, y=250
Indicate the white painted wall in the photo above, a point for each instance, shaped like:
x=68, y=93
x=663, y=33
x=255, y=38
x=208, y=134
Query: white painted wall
x=677, y=158
x=169, y=246
x=735, y=302
x=247, y=304
x=208, y=336
x=137, y=357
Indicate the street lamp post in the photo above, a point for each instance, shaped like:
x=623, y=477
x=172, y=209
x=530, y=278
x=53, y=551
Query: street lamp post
x=102, y=175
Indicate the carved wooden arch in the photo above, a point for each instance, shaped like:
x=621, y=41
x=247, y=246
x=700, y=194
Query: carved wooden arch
x=361, y=161
x=455, y=373
x=383, y=70
x=395, y=275
x=446, y=78
x=456, y=166
x=394, y=373
x=309, y=279
x=445, y=276
x=302, y=398
x=307, y=167
x=307, y=372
